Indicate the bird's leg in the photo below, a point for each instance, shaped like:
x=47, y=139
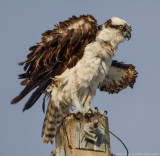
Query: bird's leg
x=79, y=108
x=75, y=98
x=86, y=104
x=85, y=97
x=88, y=101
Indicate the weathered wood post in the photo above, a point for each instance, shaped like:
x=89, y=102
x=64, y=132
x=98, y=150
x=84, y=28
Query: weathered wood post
x=83, y=137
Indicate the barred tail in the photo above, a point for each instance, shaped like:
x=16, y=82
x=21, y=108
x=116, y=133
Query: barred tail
x=53, y=119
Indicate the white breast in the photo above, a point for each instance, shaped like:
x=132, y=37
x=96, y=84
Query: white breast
x=89, y=71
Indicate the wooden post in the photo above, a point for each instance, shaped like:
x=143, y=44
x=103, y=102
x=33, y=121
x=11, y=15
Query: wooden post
x=83, y=137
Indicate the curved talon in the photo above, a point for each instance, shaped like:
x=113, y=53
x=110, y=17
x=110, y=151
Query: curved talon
x=90, y=113
x=81, y=110
x=105, y=113
x=75, y=116
x=96, y=108
x=90, y=110
x=87, y=117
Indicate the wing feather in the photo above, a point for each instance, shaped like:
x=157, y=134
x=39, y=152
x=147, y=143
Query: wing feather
x=119, y=77
x=59, y=49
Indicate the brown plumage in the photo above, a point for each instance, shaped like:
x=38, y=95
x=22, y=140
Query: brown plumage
x=119, y=77
x=53, y=118
x=60, y=48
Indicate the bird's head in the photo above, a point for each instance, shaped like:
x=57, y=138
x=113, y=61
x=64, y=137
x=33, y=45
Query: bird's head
x=115, y=30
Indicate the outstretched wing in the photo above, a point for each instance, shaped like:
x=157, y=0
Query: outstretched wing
x=119, y=77
x=59, y=49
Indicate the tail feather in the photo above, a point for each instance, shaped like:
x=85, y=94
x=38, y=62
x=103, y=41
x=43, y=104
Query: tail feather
x=53, y=119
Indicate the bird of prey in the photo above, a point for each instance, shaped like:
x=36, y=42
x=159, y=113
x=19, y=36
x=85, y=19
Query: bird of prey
x=70, y=63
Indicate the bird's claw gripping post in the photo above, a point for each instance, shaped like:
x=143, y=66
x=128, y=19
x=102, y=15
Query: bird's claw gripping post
x=89, y=114
x=75, y=116
x=104, y=113
x=95, y=109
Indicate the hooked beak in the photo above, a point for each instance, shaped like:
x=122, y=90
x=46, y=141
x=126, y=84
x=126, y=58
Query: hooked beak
x=128, y=32
x=128, y=35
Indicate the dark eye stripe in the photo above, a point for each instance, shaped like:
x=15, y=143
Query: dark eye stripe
x=117, y=27
x=114, y=26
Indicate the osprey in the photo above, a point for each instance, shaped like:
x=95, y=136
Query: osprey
x=70, y=63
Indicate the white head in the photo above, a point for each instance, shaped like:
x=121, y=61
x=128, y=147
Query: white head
x=115, y=31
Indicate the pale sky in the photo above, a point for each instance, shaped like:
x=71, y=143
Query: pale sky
x=134, y=115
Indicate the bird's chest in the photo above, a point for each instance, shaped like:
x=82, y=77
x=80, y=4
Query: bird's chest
x=95, y=72
x=102, y=69
x=96, y=62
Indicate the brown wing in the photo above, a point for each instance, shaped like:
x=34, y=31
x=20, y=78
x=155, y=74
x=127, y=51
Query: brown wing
x=59, y=49
x=119, y=77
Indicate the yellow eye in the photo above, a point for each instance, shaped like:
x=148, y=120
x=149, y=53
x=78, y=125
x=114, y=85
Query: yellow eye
x=120, y=27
